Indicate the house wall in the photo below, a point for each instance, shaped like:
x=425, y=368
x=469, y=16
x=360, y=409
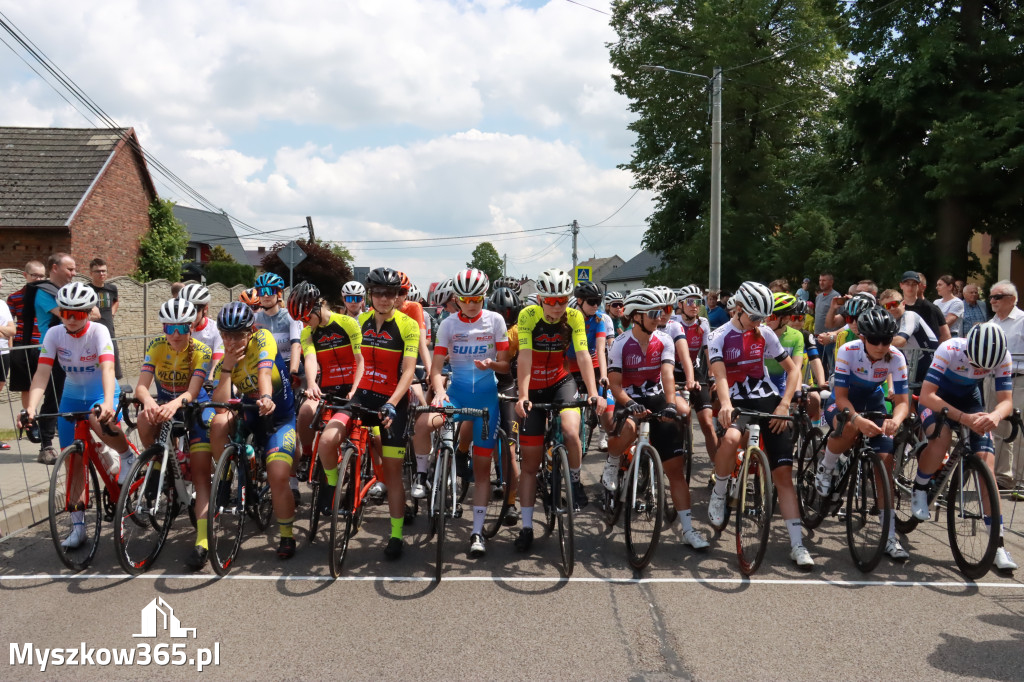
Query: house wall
x=625, y=286
x=20, y=245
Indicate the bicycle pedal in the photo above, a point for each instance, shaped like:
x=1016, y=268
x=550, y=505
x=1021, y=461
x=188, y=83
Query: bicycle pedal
x=458, y=511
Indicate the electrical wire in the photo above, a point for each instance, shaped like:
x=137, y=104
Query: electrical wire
x=615, y=211
x=593, y=9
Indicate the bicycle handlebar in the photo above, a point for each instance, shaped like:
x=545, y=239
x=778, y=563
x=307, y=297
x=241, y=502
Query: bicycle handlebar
x=744, y=412
x=450, y=411
x=1016, y=425
x=843, y=418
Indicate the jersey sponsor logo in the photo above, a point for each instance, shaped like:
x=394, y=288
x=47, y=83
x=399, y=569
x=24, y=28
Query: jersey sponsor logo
x=333, y=338
x=175, y=376
x=468, y=350
x=860, y=370
x=460, y=337
x=485, y=337
x=880, y=372
x=731, y=353
x=547, y=338
x=90, y=356
x=79, y=370
x=383, y=334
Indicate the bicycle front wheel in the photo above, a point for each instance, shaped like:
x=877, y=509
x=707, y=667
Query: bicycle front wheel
x=74, y=507
x=972, y=491
x=904, y=472
x=753, y=510
x=645, y=496
x=444, y=501
x=144, y=513
x=227, y=509
x=499, y=498
x=812, y=506
x=343, y=521
x=867, y=494
x=318, y=485
x=561, y=505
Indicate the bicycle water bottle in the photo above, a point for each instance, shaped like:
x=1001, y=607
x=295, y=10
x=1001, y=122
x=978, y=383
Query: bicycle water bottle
x=250, y=457
x=184, y=466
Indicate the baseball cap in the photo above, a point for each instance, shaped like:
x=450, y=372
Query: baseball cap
x=911, y=275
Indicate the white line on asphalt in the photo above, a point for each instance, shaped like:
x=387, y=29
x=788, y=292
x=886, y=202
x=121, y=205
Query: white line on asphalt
x=523, y=579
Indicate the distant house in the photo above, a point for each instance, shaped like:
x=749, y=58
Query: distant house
x=634, y=272
x=206, y=230
x=601, y=268
x=83, y=191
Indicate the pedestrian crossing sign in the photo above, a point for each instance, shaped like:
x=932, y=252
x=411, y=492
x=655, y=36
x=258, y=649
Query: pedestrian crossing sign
x=583, y=274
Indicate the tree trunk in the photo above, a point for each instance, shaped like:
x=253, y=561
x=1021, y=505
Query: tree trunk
x=951, y=239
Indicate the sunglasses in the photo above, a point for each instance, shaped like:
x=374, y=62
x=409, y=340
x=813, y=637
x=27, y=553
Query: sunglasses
x=592, y=301
x=177, y=329
x=267, y=291
x=74, y=314
x=754, y=318
x=653, y=314
x=878, y=340
x=998, y=297
x=691, y=301
x=384, y=293
x=617, y=304
x=471, y=299
x=892, y=305
x=353, y=299
x=555, y=300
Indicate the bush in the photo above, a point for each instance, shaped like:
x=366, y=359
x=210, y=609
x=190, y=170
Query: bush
x=230, y=274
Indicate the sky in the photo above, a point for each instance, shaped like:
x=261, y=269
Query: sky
x=380, y=119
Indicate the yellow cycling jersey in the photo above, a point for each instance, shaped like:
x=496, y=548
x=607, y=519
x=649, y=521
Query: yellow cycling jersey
x=335, y=345
x=550, y=341
x=259, y=354
x=173, y=369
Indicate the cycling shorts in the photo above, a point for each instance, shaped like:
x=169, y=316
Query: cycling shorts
x=66, y=427
x=880, y=443
x=480, y=400
x=198, y=431
x=275, y=433
x=778, y=446
x=605, y=393
x=971, y=404
x=392, y=439
x=563, y=391
x=665, y=436
x=510, y=422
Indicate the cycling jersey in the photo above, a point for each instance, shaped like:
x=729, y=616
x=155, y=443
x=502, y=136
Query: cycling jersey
x=465, y=341
x=208, y=334
x=609, y=326
x=80, y=356
x=334, y=344
x=384, y=349
x=956, y=377
x=173, y=369
x=262, y=353
x=793, y=342
x=550, y=343
x=916, y=332
x=595, y=329
x=284, y=329
x=674, y=330
x=864, y=377
x=696, y=333
x=845, y=336
x=415, y=311
x=641, y=369
x=743, y=353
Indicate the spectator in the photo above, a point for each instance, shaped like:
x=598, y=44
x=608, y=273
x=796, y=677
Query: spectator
x=869, y=286
x=975, y=310
x=950, y=306
x=23, y=360
x=108, y=303
x=914, y=337
x=912, y=285
x=717, y=313
x=7, y=332
x=825, y=305
x=176, y=288
x=1009, y=467
x=804, y=293
x=779, y=286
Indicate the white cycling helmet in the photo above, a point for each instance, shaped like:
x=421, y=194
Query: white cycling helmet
x=690, y=291
x=471, y=282
x=554, y=282
x=442, y=292
x=755, y=298
x=353, y=288
x=667, y=295
x=195, y=293
x=613, y=296
x=986, y=345
x=414, y=294
x=642, y=300
x=76, y=296
x=177, y=311
x=533, y=299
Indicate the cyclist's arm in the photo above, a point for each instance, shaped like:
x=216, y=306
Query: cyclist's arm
x=841, y=396
x=523, y=371
x=818, y=372
x=668, y=380
x=358, y=375
x=424, y=351
x=602, y=358
x=265, y=382
x=900, y=407
x=405, y=381
x=615, y=386
x=722, y=389
x=586, y=365
x=436, y=378
x=295, y=359
x=683, y=353
x=142, y=393
x=222, y=391
x=35, y=392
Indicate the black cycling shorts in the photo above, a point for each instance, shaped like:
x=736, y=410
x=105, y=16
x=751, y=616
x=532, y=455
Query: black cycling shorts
x=393, y=439
x=665, y=436
x=778, y=446
x=536, y=420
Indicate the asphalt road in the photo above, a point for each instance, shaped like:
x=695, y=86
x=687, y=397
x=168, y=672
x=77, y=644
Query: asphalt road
x=509, y=616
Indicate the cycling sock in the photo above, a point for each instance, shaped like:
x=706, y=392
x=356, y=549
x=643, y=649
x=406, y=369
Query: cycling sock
x=479, y=513
x=396, y=527
x=886, y=515
x=922, y=479
x=527, y=516
x=686, y=519
x=78, y=518
x=988, y=522
x=830, y=459
x=202, y=540
x=574, y=474
x=721, y=485
x=293, y=482
x=795, y=534
x=613, y=459
x=332, y=476
x=422, y=464
x=286, y=527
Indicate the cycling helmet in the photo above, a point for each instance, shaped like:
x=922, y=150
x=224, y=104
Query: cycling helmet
x=587, y=290
x=691, y=291
x=784, y=304
x=177, y=311
x=353, y=288
x=384, y=277
x=554, y=282
x=414, y=294
x=986, y=346
x=858, y=304
x=574, y=303
x=236, y=317
x=303, y=300
x=269, y=279
x=506, y=303
x=533, y=299
x=76, y=296
x=800, y=308
x=876, y=321
x=406, y=284
x=641, y=300
x=195, y=293
x=443, y=292
x=249, y=297
x=471, y=282
x=666, y=294
x=755, y=298
x=613, y=296
x=508, y=283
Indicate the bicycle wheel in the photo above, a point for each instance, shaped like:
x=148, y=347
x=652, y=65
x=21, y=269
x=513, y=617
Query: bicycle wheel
x=445, y=498
x=644, y=506
x=866, y=530
x=412, y=508
x=812, y=507
x=972, y=489
x=144, y=513
x=753, y=510
x=343, y=516
x=65, y=500
x=686, y=431
x=499, y=499
x=561, y=505
x=904, y=472
x=227, y=511
x=263, y=506
x=318, y=484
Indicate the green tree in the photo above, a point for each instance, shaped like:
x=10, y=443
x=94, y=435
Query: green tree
x=322, y=266
x=162, y=248
x=773, y=113
x=485, y=257
x=339, y=250
x=218, y=254
x=230, y=274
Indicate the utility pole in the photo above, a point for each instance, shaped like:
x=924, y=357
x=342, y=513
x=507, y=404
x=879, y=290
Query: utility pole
x=504, y=266
x=309, y=226
x=715, y=261
x=575, y=232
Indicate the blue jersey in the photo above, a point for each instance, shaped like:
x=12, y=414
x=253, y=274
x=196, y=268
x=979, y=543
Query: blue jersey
x=863, y=377
x=956, y=377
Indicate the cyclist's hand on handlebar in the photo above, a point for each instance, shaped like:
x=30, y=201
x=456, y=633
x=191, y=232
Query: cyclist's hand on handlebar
x=439, y=399
x=603, y=382
x=725, y=415
x=669, y=414
x=693, y=386
x=779, y=425
x=637, y=410
x=598, y=403
x=890, y=427
x=26, y=417
x=266, y=406
x=313, y=392
x=522, y=407
x=983, y=422
x=387, y=415
x=106, y=412
x=868, y=427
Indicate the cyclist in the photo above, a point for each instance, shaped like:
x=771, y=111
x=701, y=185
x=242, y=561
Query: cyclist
x=913, y=338
x=203, y=329
x=415, y=311
x=862, y=369
x=615, y=306
x=506, y=302
x=250, y=298
x=641, y=375
x=953, y=381
x=180, y=363
x=588, y=301
x=354, y=293
x=737, y=357
x=331, y=347
x=697, y=331
x=547, y=332
x=86, y=353
x=508, y=283
x=390, y=341
x=475, y=341
x=812, y=371
x=444, y=299
x=684, y=365
x=783, y=304
x=253, y=365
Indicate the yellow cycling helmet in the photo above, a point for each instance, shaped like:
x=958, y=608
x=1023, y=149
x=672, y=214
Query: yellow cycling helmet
x=783, y=303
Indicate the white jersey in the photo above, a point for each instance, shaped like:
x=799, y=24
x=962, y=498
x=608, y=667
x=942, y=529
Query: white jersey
x=674, y=330
x=744, y=353
x=209, y=335
x=79, y=356
x=283, y=328
x=466, y=340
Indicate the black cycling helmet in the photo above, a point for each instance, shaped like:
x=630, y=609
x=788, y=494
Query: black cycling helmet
x=587, y=290
x=236, y=317
x=876, y=321
x=303, y=300
x=383, y=277
x=506, y=303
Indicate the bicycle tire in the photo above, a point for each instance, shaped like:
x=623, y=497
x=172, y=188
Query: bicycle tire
x=61, y=524
x=227, y=509
x=446, y=499
x=562, y=507
x=866, y=531
x=317, y=485
x=343, y=523
x=753, y=510
x=644, y=511
x=813, y=508
x=686, y=433
x=973, y=543
x=263, y=506
x=499, y=499
x=412, y=509
x=905, y=457
x=139, y=534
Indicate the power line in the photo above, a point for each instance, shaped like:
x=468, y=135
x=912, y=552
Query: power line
x=616, y=210
x=439, y=246
x=592, y=9
x=435, y=239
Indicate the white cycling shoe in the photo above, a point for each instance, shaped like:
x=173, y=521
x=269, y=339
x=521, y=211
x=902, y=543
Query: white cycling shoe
x=919, y=506
x=694, y=538
x=823, y=480
x=610, y=477
x=716, y=509
x=895, y=550
x=801, y=557
x=75, y=539
x=1003, y=561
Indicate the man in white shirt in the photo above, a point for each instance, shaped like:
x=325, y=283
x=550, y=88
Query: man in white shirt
x=1009, y=459
x=7, y=330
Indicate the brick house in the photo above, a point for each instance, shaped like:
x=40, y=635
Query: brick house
x=83, y=191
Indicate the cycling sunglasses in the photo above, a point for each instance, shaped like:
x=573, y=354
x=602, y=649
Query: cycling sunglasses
x=691, y=301
x=754, y=318
x=267, y=291
x=384, y=293
x=617, y=304
x=177, y=329
x=471, y=299
x=653, y=314
x=592, y=301
x=892, y=305
x=353, y=299
x=555, y=300
x=74, y=314
x=878, y=340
